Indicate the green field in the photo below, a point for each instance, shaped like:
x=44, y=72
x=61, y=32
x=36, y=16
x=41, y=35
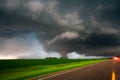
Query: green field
x=24, y=69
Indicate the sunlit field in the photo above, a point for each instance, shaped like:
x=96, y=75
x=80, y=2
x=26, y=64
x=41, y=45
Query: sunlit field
x=23, y=69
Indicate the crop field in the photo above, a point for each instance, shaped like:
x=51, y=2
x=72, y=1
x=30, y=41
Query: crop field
x=24, y=69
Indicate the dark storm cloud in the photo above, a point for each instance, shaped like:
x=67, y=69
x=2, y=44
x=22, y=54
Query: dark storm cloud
x=102, y=40
x=100, y=20
x=28, y=15
x=110, y=16
x=64, y=25
x=106, y=11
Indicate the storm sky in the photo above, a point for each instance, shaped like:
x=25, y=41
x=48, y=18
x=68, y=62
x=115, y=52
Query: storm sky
x=54, y=28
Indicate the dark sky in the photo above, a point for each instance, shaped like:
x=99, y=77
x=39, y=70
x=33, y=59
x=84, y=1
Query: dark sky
x=90, y=27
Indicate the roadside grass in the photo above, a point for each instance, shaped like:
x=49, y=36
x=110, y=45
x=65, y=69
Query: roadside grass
x=26, y=69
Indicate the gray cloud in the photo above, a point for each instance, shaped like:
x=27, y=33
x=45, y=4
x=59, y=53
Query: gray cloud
x=64, y=25
x=74, y=55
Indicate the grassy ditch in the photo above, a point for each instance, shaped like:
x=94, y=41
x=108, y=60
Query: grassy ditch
x=25, y=69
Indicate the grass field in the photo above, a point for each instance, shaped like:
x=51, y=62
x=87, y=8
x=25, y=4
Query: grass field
x=28, y=68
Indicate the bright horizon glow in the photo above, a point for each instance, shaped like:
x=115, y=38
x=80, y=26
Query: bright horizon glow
x=8, y=57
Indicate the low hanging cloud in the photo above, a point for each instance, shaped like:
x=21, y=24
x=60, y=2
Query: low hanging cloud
x=66, y=35
x=69, y=35
x=74, y=55
x=62, y=26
